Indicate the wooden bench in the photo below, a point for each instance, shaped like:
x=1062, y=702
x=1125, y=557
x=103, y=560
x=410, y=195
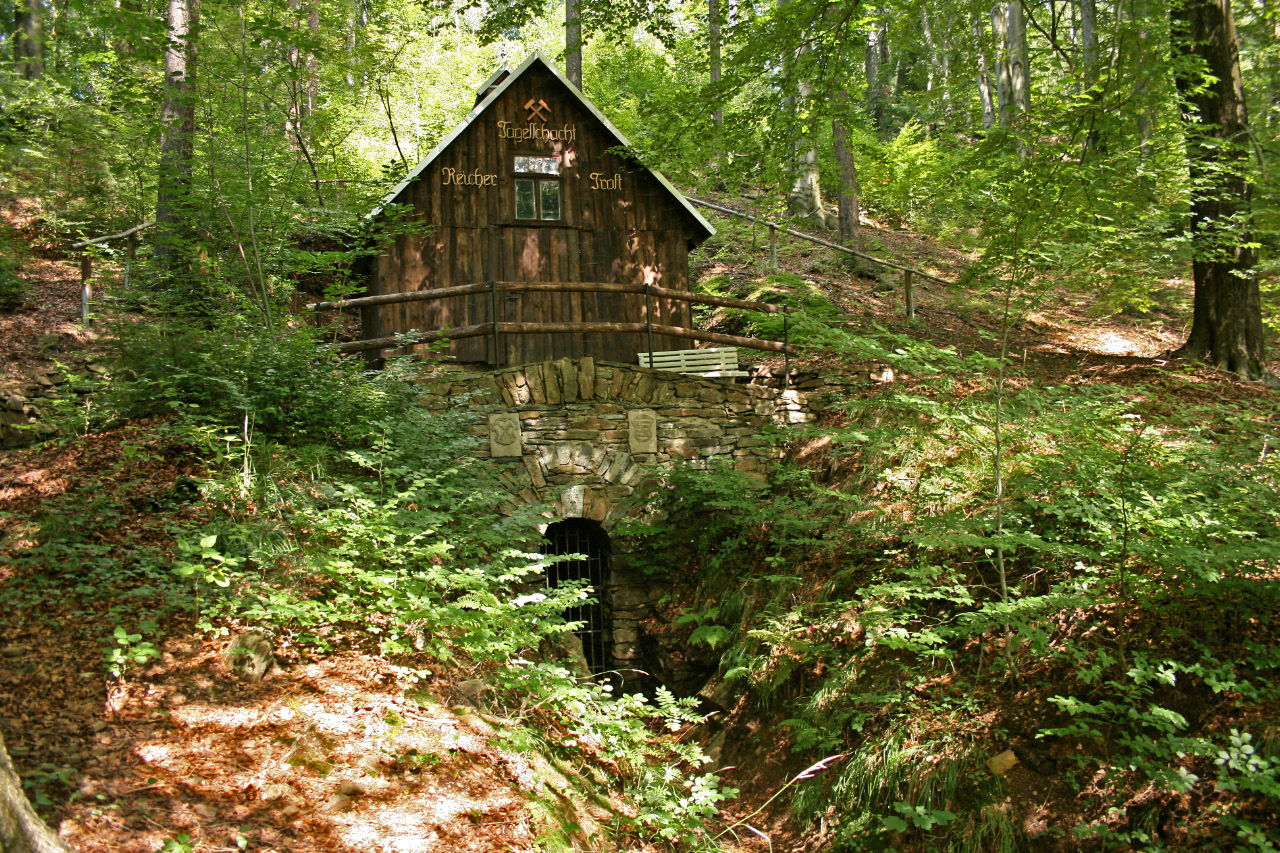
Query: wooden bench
x=713, y=361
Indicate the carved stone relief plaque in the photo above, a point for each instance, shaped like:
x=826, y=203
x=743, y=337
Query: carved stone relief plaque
x=504, y=434
x=642, y=430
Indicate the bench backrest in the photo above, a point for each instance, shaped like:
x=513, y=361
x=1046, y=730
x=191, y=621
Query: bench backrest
x=693, y=360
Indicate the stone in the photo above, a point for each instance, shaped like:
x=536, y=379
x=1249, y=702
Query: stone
x=587, y=378
x=290, y=810
x=1002, y=763
x=572, y=501
x=13, y=651
x=370, y=764
x=504, y=435
x=205, y=811
x=250, y=655
x=642, y=429
x=351, y=788
x=15, y=403
x=336, y=804
x=535, y=471
x=276, y=792
x=569, y=379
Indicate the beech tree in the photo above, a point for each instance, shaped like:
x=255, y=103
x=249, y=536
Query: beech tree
x=1226, y=327
x=178, y=115
x=21, y=830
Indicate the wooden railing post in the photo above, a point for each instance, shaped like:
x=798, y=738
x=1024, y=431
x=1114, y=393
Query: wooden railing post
x=786, y=350
x=133, y=256
x=497, y=339
x=909, y=291
x=773, y=246
x=648, y=319
x=86, y=285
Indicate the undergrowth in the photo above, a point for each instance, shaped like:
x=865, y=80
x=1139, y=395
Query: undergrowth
x=1130, y=663
x=338, y=511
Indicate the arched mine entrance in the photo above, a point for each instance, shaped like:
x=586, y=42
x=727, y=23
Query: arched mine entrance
x=587, y=538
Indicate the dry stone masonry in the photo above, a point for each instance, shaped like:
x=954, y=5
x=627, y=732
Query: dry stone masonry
x=585, y=439
x=583, y=435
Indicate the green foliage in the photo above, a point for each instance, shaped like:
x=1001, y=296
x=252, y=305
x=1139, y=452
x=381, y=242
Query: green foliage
x=239, y=375
x=13, y=287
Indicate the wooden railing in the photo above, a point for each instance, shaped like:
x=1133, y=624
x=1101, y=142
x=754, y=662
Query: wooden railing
x=86, y=262
x=498, y=328
x=908, y=273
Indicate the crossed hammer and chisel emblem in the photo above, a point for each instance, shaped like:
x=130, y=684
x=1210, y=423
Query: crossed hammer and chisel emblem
x=537, y=109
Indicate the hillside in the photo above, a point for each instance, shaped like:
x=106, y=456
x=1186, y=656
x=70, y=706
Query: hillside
x=851, y=612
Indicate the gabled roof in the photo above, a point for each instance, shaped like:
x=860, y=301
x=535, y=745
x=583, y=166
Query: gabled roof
x=493, y=95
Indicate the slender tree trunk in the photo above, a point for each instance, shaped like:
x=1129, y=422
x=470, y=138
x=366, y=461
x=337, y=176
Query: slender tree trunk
x=1226, y=327
x=713, y=46
x=850, y=230
x=874, y=69
x=177, y=146
x=984, y=76
x=573, y=42
x=1089, y=41
x=1019, y=60
x=21, y=830
x=1004, y=77
x=1143, y=59
x=938, y=63
x=313, y=63
x=28, y=39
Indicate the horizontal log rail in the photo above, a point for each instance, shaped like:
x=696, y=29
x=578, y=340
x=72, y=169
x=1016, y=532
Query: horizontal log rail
x=549, y=287
x=86, y=262
x=803, y=236
x=561, y=328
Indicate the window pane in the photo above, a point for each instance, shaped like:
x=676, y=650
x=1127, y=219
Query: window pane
x=550, y=199
x=538, y=165
x=526, y=202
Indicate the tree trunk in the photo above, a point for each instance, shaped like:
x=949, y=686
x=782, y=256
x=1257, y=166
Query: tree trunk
x=21, y=830
x=805, y=197
x=1019, y=60
x=850, y=232
x=984, y=77
x=573, y=42
x=1004, y=78
x=1089, y=40
x=28, y=39
x=874, y=68
x=713, y=45
x=177, y=145
x=939, y=62
x=1226, y=326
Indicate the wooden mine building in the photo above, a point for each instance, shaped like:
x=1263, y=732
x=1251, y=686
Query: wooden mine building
x=533, y=187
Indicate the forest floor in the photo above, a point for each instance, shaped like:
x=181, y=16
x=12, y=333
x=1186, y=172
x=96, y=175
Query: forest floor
x=180, y=755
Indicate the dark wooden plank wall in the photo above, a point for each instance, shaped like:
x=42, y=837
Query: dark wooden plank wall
x=623, y=236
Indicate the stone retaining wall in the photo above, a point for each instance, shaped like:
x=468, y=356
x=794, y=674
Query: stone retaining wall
x=587, y=437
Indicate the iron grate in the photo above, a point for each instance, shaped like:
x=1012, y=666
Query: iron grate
x=579, y=536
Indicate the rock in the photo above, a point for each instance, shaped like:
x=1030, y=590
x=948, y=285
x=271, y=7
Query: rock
x=97, y=368
x=370, y=764
x=336, y=804
x=351, y=788
x=276, y=792
x=15, y=402
x=48, y=341
x=1002, y=763
x=250, y=655
x=290, y=810
x=884, y=374
x=13, y=651
x=97, y=726
x=205, y=811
